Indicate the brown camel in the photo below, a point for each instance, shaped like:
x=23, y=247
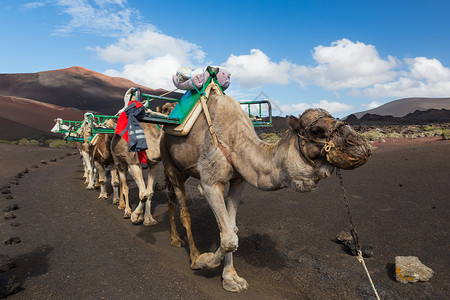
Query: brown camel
x=313, y=147
x=103, y=160
x=127, y=161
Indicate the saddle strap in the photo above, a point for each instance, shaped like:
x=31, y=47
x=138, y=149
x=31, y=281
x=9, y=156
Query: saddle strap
x=211, y=130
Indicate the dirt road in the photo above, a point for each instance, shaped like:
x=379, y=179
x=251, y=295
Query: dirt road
x=75, y=246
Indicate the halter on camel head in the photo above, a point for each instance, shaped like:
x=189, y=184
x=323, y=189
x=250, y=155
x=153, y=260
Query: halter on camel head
x=336, y=155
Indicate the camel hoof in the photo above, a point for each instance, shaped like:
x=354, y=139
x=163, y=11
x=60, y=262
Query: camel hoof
x=137, y=218
x=177, y=243
x=150, y=222
x=103, y=197
x=136, y=221
x=127, y=215
x=205, y=261
x=115, y=201
x=89, y=187
x=236, y=284
x=121, y=206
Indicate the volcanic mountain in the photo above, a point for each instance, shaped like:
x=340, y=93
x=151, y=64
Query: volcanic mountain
x=34, y=100
x=402, y=107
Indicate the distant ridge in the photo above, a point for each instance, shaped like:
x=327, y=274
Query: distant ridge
x=34, y=100
x=76, y=87
x=402, y=107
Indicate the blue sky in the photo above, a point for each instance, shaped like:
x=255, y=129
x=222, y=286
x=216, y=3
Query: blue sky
x=344, y=56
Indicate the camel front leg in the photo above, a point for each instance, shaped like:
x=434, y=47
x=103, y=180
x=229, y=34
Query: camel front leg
x=89, y=170
x=143, y=212
x=228, y=237
x=231, y=280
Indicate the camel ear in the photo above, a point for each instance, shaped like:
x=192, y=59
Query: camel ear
x=294, y=123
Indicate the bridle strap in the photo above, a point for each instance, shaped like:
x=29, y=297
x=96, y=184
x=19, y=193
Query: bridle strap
x=327, y=145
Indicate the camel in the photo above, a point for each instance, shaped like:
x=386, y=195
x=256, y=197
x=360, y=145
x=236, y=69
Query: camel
x=84, y=149
x=102, y=159
x=127, y=161
x=306, y=154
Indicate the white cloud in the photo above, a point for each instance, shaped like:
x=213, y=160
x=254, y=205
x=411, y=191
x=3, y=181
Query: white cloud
x=149, y=43
x=373, y=104
x=424, y=78
x=32, y=5
x=105, y=18
x=150, y=57
x=155, y=73
x=257, y=69
x=332, y=107
x=346, y=64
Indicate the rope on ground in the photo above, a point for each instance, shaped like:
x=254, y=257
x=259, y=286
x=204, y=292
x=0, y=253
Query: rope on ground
x=354, y=233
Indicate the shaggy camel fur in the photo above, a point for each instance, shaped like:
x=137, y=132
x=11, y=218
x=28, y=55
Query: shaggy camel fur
x=296, y=161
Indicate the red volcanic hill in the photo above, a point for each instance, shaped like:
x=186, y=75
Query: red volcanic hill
x=32, y=101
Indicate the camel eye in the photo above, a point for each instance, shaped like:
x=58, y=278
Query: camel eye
x=317, y=131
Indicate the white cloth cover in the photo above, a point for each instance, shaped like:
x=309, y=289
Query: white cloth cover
x=188, y=79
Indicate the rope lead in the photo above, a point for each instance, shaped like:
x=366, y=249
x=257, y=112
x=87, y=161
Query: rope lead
x=354, y=233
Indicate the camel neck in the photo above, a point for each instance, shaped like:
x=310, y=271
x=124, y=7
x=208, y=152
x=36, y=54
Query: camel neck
x=261, y=163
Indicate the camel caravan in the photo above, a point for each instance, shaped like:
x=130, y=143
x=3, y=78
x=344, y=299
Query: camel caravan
x=207, y=135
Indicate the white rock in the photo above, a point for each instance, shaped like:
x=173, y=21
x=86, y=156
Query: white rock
x=411, y=269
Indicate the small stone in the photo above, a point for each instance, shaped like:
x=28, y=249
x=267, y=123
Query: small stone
x=5, y=192
x=12, y=240
x=6, y=263
x=5, y=187
x=14, y=181
x=35, y=166
x=8, y=286
x=9, y=197
x=43, y=162
x=68, y=154
x=11, y=208
x=61, y=157
x=26, y=171
x=344, y=236
x=411, y=269
x=9, y=216
x=14, y=224
x=53, y=159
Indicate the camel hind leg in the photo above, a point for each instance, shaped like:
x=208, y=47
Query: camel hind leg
x=124, y=190
x=175, y=239
x=177, y=192
x=115, y=183
x=101, y=180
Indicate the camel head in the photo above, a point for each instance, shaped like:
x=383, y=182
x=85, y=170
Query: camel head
x=320, y=136
x=166, y=108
